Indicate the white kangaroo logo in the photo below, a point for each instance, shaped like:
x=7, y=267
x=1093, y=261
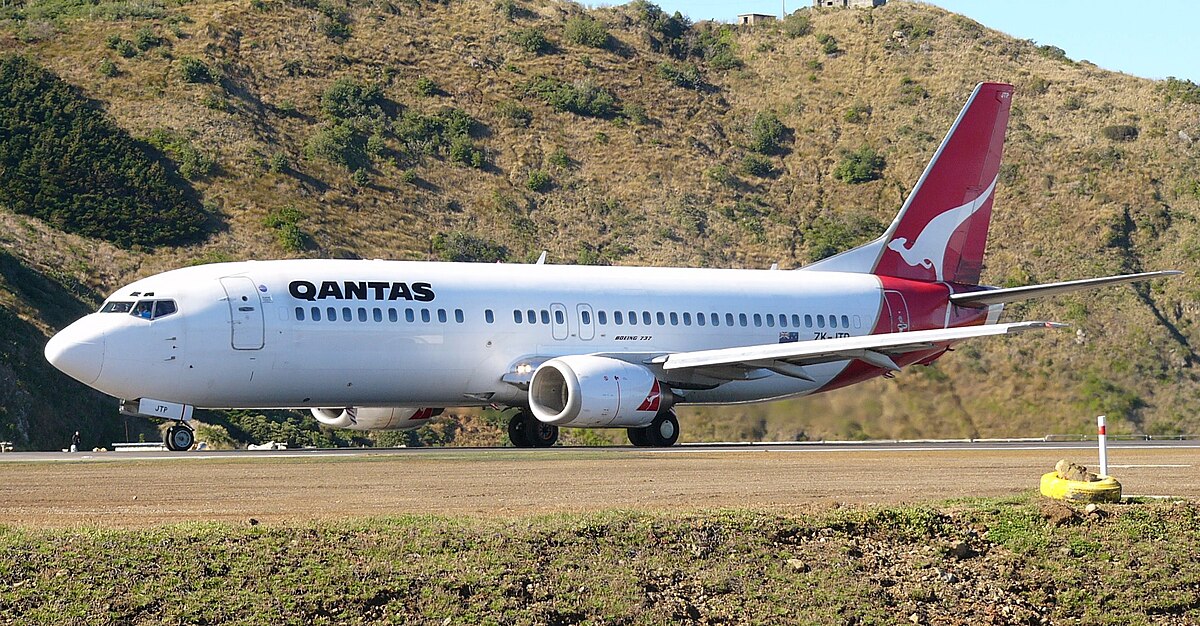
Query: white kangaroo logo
x=929, y=249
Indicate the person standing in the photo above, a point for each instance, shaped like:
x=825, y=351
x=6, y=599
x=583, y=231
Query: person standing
x=75, y=442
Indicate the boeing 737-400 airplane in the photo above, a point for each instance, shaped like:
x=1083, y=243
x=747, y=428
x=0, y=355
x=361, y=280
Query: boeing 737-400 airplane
x=372, y=345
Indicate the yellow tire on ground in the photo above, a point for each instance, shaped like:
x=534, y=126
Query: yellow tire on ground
x=1107, y=489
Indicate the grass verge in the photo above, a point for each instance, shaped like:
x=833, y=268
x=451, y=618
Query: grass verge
x=1019, y=560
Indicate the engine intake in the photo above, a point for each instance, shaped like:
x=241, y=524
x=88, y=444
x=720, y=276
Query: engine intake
x=595, y=391
x=375, y=418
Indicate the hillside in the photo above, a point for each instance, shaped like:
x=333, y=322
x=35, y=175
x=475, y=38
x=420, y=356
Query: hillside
x=489, y=130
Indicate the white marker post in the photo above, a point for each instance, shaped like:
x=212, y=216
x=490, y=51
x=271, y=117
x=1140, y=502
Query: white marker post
x=1102, y=438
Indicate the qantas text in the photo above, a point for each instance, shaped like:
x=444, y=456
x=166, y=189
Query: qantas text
x=361, y=290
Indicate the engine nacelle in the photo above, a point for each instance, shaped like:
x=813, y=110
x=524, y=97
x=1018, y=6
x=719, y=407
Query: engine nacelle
x=596, y=391
x=374, y=418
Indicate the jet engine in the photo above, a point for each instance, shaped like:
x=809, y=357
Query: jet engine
x=375, y=418
x=596, y=391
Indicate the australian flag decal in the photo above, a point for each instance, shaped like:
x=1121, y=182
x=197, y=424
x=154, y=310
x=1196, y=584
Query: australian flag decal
x=786, y=337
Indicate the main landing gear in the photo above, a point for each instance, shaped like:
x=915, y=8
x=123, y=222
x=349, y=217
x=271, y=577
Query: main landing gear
x=179, y=437
x=527, y=431
x=663, y=432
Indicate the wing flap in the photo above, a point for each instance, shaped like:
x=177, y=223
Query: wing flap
x=874, y=349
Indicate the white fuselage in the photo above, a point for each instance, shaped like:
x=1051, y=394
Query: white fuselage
x=275, y=334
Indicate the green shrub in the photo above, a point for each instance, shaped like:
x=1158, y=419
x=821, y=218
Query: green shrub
x=857, y=113
x=767, y=133
x=429, y=134
x=531, y=40
x=514, y=113
x=716, y=45
x=285, y=222
x=507, y=9
x=798, y=24
x=585, y=31
x=721, y=175
x=193, y=70
x=126, y=49
x=582, y=98
x=67, y=163
x=340, y=144
x=1183, y=91
x=464, y=247
x=860, y=166
x=193, y=164
x=425, y=86
x=539, y=181
x=1053, y=52
x=360, y=178
x=911, y=92
x=635, y=113
x=1120, y=132
x=145, y=38
x=112, y=40
x=757, y=165
x=278, y=163
x=915, y=29
x=463, y=150
x=107, y=68
x=347, y=99
x=683, y=75
x=829, y=44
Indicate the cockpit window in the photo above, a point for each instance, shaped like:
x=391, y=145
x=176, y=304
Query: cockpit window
x=145, y=309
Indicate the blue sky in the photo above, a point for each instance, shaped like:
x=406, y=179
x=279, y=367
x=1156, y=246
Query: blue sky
x=1153, y=39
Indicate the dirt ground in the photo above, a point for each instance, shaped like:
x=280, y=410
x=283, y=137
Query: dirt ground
x=507, y=483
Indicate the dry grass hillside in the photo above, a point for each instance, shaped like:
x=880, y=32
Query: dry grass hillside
x=669, y=171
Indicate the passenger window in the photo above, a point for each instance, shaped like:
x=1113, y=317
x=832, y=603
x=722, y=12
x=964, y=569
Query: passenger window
x=716, y=319
x=757, y=320
x=674, y=318
x=783, y=320
x=316, y=314
x=559, y=318
x=796, y=320
x=833, y=321
x=393, y=316
x=425, y=316
x=442, y=315
x=546, y=316
x=807, y=320
x=331, y=314
x=633, y=318
x=820, y=321
x=117, y=307
x=531, y=316
x=586, y=317
x=729, y=319
x=845, y=321
x=517, y=316
x=602, y=317
x=347, y=315
x=410, y=315
x=377, y=314
x=646, y=318
x=459, y=316
x=700, y=321
x=857, y=322
x=618, y=318
x=771, y=320
x=742, y=319
x=488, y=316
x=660, y=318
x=687, y=318
x=362, y=314
x=300, y=313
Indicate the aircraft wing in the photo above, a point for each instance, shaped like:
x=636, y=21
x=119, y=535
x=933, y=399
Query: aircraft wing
x=789, y=358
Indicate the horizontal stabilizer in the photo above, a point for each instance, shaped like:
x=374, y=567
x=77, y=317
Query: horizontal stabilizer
x=1001, y=296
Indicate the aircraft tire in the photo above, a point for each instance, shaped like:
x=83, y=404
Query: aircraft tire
x=637, y=437
x=663, y=432
x=540, y=434
x=518, y=429
x=179, y=438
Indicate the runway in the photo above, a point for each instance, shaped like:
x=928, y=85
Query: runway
x=132, y=489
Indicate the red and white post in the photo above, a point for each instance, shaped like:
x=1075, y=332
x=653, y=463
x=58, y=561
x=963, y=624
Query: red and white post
x=1102, y=439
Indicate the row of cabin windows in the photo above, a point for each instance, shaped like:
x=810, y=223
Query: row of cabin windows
x=376, y=314
x=621, y=318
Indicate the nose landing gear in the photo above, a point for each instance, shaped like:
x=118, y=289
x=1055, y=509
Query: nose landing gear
x=179, y=437
x=527, y=431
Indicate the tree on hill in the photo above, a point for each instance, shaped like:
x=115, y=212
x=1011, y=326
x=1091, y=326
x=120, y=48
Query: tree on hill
x=64, y=161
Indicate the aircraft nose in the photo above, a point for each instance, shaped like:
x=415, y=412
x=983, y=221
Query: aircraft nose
x=77, y=351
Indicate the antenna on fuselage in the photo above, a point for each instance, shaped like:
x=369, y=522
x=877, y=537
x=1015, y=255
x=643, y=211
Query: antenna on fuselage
x=775, y=266
x=541, y=259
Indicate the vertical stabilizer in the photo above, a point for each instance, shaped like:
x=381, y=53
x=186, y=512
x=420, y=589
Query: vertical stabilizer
x=941, y=231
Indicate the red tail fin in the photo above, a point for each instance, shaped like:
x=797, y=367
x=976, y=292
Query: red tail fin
x=941, y=231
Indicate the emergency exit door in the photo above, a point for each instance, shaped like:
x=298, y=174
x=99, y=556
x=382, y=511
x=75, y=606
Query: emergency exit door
x=245, y=313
